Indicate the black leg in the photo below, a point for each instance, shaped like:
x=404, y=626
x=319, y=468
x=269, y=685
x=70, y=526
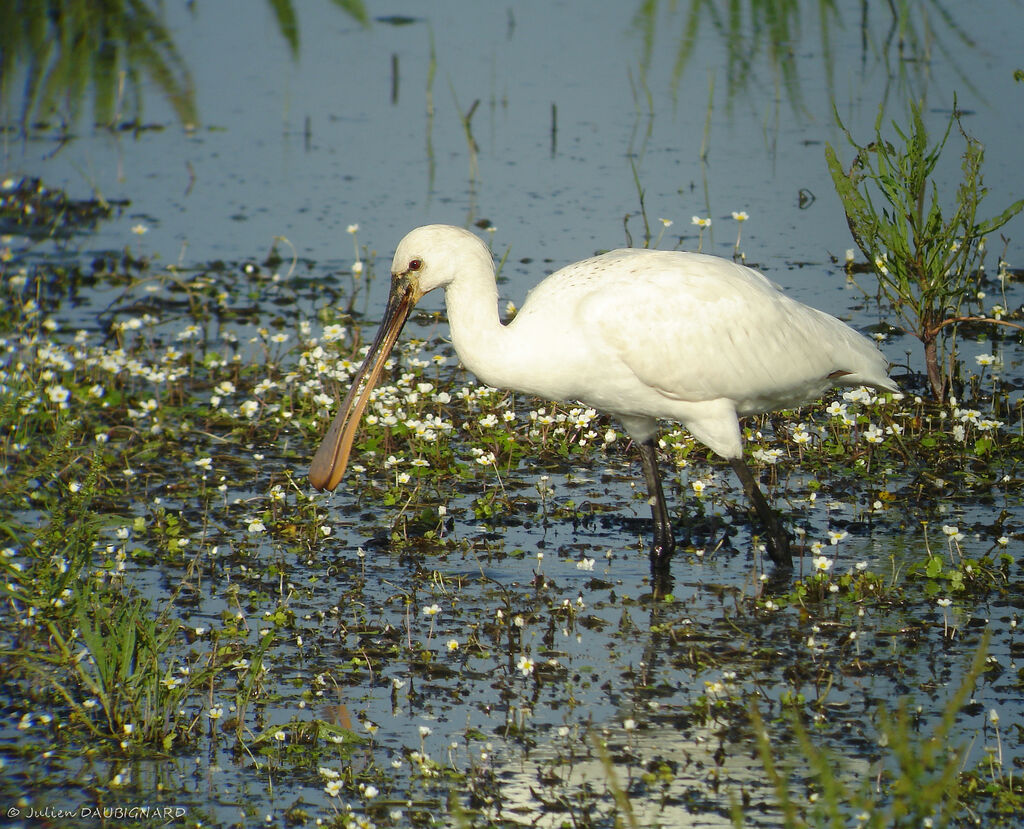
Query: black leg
x=664, y=541
x=778, y=541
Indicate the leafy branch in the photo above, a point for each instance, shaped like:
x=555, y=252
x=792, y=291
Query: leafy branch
x=928, y=264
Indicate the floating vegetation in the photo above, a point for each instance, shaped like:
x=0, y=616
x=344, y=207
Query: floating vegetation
x=464, y=632
x=29, y=209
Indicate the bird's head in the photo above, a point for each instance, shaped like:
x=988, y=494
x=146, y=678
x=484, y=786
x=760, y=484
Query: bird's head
x=433, y=256
x=427, y=258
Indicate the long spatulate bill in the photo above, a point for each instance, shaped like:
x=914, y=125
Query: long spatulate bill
x=328, y=466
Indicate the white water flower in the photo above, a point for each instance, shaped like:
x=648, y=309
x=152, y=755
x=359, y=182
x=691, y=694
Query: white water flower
x=836, y=409
x=953, y=532
x=58, y=394
x=873, y=434
x=333, y=333
x=769, y=456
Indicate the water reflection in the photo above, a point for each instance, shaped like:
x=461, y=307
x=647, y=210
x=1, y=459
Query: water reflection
x=762, y=39
x=288, y=21
x=60, y=49
x=56, y=51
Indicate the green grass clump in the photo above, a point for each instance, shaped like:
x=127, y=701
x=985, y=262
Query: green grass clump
x=921, y=780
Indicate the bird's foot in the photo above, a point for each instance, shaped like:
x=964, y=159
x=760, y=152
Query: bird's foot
x=662, y=551
x=661, y=556
x=777, y=540
x=661, y=579
x=778, y=547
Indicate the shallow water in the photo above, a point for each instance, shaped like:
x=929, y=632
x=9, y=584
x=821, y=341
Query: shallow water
x=251, y=172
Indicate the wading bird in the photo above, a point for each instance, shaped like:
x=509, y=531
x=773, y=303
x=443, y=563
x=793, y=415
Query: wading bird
x=644, y=335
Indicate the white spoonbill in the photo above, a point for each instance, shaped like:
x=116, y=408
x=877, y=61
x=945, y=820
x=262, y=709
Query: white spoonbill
x=644, y=335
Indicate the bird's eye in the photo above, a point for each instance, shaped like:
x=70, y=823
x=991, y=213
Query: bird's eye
x=415, y=264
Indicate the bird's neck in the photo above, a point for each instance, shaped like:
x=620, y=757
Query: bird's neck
x=477, y=332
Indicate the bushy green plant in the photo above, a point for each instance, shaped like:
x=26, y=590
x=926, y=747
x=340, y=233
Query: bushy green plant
x=927, y=262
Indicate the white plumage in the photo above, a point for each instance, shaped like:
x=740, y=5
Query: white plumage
x=643, y=335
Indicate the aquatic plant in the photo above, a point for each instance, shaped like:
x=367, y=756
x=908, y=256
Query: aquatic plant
x=928, y=263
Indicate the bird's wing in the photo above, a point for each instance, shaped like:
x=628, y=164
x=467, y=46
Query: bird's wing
x=702, y=328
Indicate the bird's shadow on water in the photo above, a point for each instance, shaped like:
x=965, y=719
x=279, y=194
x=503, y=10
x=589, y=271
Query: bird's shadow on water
x=706, y=538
